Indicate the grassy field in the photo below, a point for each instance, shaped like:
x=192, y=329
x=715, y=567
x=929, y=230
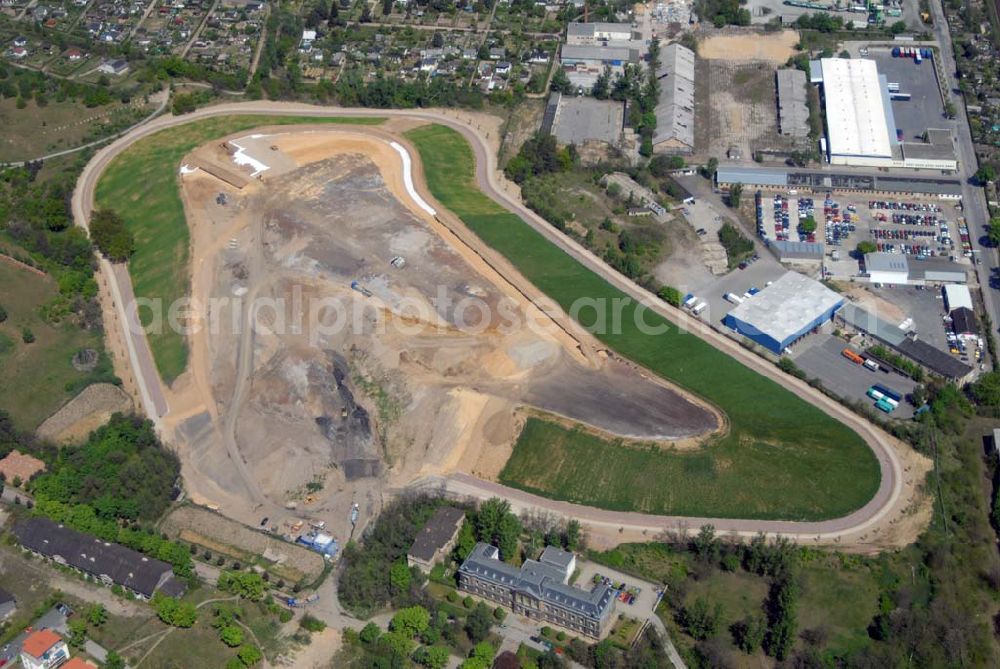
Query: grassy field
x=35, y=375
x=782, y=458
x=35, y=131
x=141, y=185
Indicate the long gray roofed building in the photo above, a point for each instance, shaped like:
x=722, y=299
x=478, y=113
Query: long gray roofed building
x=675, y=109
x=112, y=563
x=793, y=113
x=538, y=589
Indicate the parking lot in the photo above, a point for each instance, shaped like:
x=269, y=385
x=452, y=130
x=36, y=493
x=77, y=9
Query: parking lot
x=917, y=227
x=821, y=356
x=643, y=603
x=924, y=109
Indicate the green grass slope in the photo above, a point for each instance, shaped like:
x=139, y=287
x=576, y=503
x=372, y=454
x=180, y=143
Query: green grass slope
x=141, y=184
x=783, y=458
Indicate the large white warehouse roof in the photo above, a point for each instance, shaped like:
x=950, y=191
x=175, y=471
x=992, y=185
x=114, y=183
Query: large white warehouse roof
x=855, y=112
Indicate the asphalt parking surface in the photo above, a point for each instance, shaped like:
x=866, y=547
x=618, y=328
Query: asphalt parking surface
x=820, y=356
x=924, y=109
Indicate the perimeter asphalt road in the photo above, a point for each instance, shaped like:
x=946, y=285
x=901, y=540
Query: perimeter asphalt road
x=891, y=484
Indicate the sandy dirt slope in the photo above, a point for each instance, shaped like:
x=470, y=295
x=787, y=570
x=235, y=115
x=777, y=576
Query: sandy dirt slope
x=775, y=47
x=416, y=370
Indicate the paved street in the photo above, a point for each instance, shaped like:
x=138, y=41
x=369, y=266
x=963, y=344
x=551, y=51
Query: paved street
x=973, y=198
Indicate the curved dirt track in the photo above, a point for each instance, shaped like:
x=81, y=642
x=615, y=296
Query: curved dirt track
x=865, y=526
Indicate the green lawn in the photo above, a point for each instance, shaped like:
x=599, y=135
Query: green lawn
x=782, y=458
x=141, y=184
x=38, y=378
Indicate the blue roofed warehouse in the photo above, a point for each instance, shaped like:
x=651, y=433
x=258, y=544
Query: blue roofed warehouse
x=784, y=312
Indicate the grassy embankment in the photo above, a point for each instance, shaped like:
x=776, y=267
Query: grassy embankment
x=141, y=185
x=38, y=377
x=782, y=458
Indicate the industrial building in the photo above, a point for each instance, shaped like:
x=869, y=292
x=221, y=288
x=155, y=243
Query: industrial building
x=584, y=64
x=539, y=589
x=963, y=322
x=957, y=297
x=858, y=112
x=861, y=127
x=818, y=180
x=934, y=360
x=112, y=564
x=784, y=312
x=895, y=269
x=675, y=109
x=793, y=112
x=577, y=120
x=436, y=538
x=599, y=34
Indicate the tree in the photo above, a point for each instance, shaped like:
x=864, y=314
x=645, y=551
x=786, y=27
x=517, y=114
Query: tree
x=174, y=612
x=27, y=336
x=748, y=634
x=485, y=651
x=109, y=234
x=808, y=225
x=465, y=542
x=432, y=657
x=735, y=193
x=3, y=314
x=114, y=661
x=410, y=621
x=700, y=620
x=573, y=535
x=248, y=585
x=985, y=174
x=249, y=655
x=986, y=391
x=898, y=27
x=369, y=634
x=508, y=535
x=706, y=546
x=231, y=635
x=395, y=644
x=993, y=234
x=399, y=577
x=949, y=109
x=97, y=615
x=865, y=247
x=77, y=632
x=560, y=82
x=479, y=623
x=602, y=87
x=711, y=167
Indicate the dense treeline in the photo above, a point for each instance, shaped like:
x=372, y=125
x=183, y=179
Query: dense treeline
x=388, y=92
x=122, y=472
x=31, y=84
x=366, y=584
x=723, y=12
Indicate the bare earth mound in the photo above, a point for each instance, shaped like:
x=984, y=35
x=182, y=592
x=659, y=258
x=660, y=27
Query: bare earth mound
x=775, y=47
x=351, y=341
x=85, y=413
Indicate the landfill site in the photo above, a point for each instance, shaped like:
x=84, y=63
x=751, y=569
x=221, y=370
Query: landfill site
x=353, y=343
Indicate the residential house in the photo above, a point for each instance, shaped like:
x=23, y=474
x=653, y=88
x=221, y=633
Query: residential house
x=19, y=52
x=19, y=466
x=116, y=67
x=77, y=662
x=112, y=564
x=539, y=589
x=436, y=538
x=43, y=649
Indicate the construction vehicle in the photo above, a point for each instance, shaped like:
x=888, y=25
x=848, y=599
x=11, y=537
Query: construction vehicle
x=356, y=285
